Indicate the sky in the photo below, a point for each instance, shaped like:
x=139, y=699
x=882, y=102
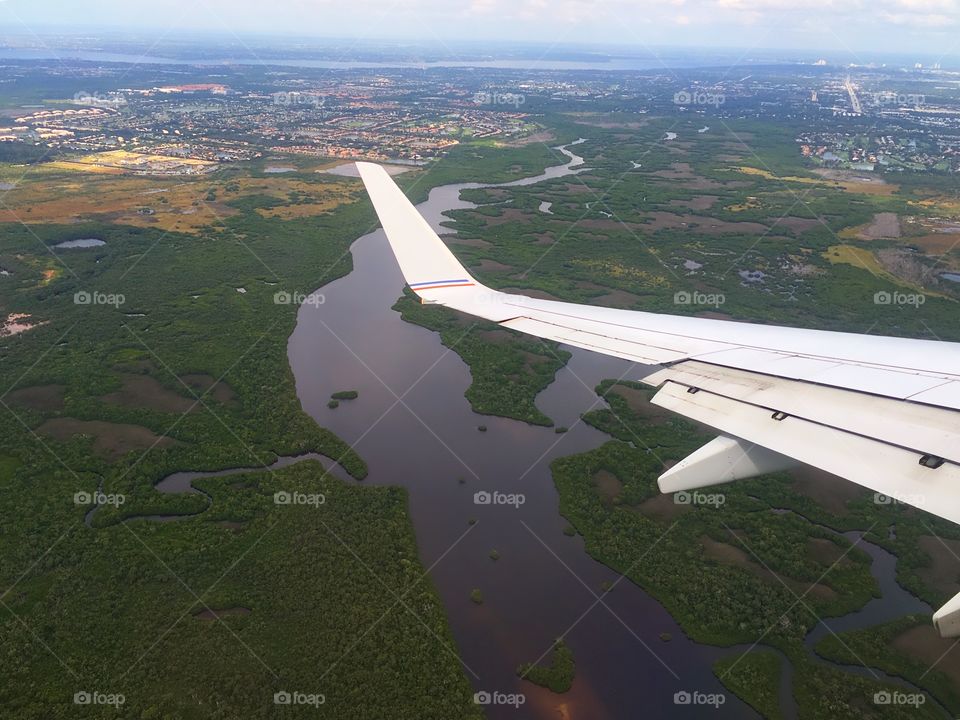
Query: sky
x=927, y=26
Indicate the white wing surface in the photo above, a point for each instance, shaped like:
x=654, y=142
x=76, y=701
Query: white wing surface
x=883, y=412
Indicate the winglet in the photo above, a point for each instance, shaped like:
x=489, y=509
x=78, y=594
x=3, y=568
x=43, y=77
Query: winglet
x=427, y=264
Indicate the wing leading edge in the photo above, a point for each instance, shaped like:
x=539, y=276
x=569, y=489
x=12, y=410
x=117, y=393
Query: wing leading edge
x=882, y=412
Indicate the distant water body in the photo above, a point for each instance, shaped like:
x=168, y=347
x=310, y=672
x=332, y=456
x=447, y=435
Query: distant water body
x=609, y=63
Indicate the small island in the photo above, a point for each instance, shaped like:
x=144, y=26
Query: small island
x=558, y=676
x=345, y=395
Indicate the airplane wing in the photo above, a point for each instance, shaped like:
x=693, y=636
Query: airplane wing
x=882, y=412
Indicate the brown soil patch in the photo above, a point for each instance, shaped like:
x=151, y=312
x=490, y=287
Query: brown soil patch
x=639, y=404
x=699, y=202
x=505, y=216
x=677, y=171
x=936, y=243
x=601, y=121
x=544, y=239
x=700, y=224
x=734, y=556
x=497, y=337
x=492, y=266
x=145, y=391
x=708, y=184
x=530, y=292
x=46, y=398
x=543, y=136
x=221, y=392
x=578, y=189
x=943, y=574
x=724, y=553
x=607, y=484
x=829, y=491
x=617, y=299
x=662, y=507
x=110, y=440
x=827, y=553
x=924, y=644
x=857, y=182
x=715, y=315
x=884, y=225
x=471, y=242
x=796, y=224
x=169, y=204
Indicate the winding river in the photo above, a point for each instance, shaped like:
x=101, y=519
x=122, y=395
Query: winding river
x=413, y=426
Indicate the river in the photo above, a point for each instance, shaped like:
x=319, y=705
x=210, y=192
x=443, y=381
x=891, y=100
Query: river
x=414, y=427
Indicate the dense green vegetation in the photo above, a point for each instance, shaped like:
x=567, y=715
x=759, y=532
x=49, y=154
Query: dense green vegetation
x=558, y=675
x=481, y=161
x=177, y=361
x=876, y=646
x=508, y=369
x=126, y=609
x=754, y=677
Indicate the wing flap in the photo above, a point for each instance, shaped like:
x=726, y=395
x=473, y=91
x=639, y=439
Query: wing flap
x=921, y=428
x=894, y=472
